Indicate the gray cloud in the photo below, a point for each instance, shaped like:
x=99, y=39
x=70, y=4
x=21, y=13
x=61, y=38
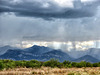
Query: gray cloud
x=23, y=28
x=80, y=23
x=34, y=8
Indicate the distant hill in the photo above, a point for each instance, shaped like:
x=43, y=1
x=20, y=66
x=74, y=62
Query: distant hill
x=87, y=58
x=5, y=48
x=42, y=53
x=94, y=52
x=57, y=54
x=38, y=49
x=35, y=52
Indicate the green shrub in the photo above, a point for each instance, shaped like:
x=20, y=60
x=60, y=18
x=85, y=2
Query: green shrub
x=81, y=64
x=88, y=64
x=51, y=63
x=33, y=63
x=70, y=73
x=2, y=66
x=74, y=64
x=67, y=64
x=20, y=63
x=95, y=64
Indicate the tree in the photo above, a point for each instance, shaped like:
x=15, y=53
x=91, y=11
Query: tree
x=1, y=66
x=88, y=64
x=52, y=63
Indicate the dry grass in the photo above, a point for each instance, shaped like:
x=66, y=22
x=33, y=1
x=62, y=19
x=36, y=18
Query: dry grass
x=51, y=71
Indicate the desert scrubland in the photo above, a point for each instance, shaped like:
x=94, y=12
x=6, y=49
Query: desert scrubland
x=52, y=71
x=51, y=67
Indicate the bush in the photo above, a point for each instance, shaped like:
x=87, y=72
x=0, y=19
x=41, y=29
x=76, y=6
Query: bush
x=20, y=63
x=81, y=64
x=67, y=64
x=52, y=63
x=33, y=63
x=1, y=66
x=95, y=64
x=74, y=64
x=88, y=64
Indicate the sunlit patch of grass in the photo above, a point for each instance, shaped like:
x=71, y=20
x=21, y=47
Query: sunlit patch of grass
x=51, y=71
x=71, y=74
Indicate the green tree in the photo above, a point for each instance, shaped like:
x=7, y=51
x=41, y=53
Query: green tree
x=33, y=63
x=88, y=64
x=67, y=63
x=74, y=64
x=95, y=64
x=1, y=66
x=51, y=63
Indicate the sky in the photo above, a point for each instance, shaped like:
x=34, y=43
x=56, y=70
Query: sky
x=59, y=24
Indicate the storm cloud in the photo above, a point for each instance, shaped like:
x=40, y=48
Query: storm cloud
x=49, y=9
x=49, y=21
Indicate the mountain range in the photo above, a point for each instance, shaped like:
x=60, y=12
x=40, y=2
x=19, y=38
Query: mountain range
x=5, y=48
x=42, y=53
x=87, y=58
x=94, y=52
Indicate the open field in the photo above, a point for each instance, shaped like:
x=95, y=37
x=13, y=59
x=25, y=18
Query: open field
x=52, y=71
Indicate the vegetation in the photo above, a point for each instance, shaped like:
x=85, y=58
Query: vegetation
x=71, y=74
x=6, y=64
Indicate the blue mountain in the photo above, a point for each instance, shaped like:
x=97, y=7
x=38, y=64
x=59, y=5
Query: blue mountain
x=5, y=48
x=40, y=53
x=87, y=58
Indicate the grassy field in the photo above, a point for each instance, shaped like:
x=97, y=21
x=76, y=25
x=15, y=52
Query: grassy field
x=52, y=71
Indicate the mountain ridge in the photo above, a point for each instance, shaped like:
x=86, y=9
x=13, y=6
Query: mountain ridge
x=42, y=53
x=87, y=58
x=35, y=52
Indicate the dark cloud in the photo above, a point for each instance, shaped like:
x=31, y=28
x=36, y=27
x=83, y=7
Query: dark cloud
x=78, y=23
x=34, y=8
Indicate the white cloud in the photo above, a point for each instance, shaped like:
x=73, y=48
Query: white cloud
x=65, y=3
